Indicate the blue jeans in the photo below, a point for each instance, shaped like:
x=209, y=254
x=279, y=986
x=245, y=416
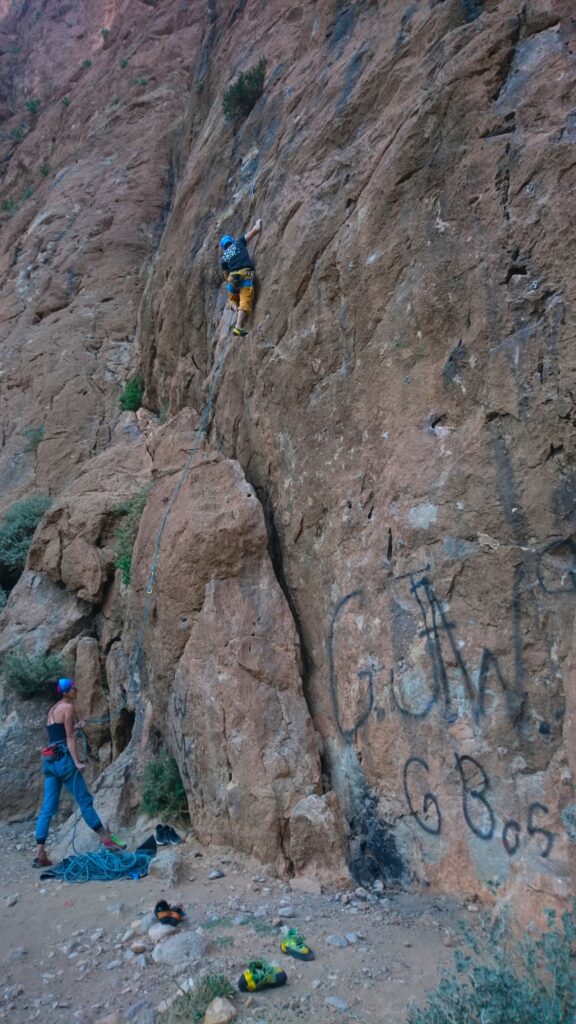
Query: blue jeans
x=56, y=774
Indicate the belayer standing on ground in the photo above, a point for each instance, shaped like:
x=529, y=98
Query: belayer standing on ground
x=62, y=766
x=238, y=268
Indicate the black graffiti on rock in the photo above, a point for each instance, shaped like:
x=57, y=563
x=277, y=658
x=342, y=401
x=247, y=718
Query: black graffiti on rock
x=477, y=810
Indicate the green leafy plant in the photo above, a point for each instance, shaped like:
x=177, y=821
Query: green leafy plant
x=3, y=598
x=124, y=62
x=105, y=33
x=14, y=49
x=244, y=93
x=31, y=675
x=66, y=101
x=27, y=193
x=132, y=395
x=9, y=206
x=531, y=980
x=140, y=81
x=17, y=133
x=151, y=3
x=17, y=527
x=45, y=168
x=192, y=1005
x=86, y=64
x=33, y=437
x=127, y=532
x=33, y=106
x=162, y=790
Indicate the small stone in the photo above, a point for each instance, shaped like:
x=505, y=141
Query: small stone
x=158, y=932
x=18, y=953
x=378, y=885
x=217, y=874
x=140, y=961
x=472, y=908
x=448, y=940
x=138, y=946
x=360, y=893
x=337, y=940
x=335, y=1003
x=140, y=1012
x=113, y=965
x=220, y=1011
x=316, y=983
x=407, y=944
x=13, y=900
x=141, y=925
x=352, y=938
x=286, y=912
x=97, y=935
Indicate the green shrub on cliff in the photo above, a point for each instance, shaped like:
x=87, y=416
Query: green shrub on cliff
x=162, y=791
x=531, y=980
x=132, y=395
x=127, y=532
x=33, y=675
x=33, y=106
x=244, y=93
x=17, y=528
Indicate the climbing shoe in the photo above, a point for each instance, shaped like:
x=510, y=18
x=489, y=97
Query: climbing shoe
x=113, y=844
x=260, y=974
x=239, y=332
x=295, y=945
x=161, y=835
x=168, y=914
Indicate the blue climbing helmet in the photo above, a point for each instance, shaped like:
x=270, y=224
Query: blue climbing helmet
x=225, y=240
x=65, y=685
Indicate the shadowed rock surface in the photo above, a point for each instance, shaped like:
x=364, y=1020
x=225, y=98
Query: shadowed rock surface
x=361, y=622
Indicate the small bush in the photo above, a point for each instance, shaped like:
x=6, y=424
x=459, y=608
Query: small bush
x=33, y=107
x=66, y=101
x=45, y=168
x=9, y=206
x=14, y=49
x=162, y=790
x=151, y=3
x=529, y=981
x=33, y=437
x=244, y=93
x=124, y=62
x=18, y=133
x=86, y=64
x=140, y=81
x=128, y=531
x=192, y=1005
x=27, y=193
x=105, y=33
x=33, y=675
x=17, y=528
x=131, y=397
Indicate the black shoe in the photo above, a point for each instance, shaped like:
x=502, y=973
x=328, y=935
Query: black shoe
x=161, y=836
x=171, y=836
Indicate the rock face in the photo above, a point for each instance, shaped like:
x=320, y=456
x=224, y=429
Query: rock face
x=371, y=557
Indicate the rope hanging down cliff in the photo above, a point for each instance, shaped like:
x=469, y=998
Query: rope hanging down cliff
x=198, y=437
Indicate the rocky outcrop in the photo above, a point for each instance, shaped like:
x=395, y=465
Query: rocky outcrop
x=371, y=558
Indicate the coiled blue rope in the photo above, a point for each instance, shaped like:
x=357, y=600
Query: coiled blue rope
x=101, y=866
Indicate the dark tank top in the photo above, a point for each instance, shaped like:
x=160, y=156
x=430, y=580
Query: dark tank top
x=56, y=732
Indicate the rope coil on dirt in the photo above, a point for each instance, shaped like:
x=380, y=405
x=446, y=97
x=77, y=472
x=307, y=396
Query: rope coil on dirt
x=104, y=866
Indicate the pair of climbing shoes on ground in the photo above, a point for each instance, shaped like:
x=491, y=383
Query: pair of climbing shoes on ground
x=260, y=974
x=166, y=836
x=166, y=913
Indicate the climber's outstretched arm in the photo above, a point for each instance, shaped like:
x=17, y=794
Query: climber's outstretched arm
x=254, y=230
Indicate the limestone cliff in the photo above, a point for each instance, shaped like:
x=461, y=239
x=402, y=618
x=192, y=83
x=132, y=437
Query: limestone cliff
x=360, y=627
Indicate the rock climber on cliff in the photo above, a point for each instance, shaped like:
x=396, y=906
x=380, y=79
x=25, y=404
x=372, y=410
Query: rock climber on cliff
x=238, y=268
x=61, y=765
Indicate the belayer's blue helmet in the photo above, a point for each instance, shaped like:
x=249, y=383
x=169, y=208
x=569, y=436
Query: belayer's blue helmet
x=225, y=240
x=65, y=685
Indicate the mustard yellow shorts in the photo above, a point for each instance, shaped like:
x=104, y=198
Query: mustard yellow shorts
x=241, y=295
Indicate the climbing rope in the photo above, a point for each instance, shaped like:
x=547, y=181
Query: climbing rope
x=101, y=866
x=198, y=436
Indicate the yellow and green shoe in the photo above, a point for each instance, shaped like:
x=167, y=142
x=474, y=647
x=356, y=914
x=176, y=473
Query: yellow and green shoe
x=295, y=945
x=260, y=974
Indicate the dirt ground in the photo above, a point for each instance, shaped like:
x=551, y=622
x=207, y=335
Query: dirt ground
x=65, y=956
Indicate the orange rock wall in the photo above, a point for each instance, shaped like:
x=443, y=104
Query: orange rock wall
x=403, y=407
